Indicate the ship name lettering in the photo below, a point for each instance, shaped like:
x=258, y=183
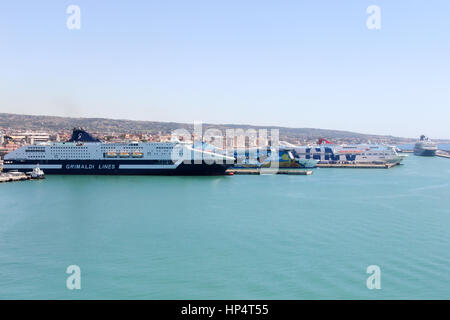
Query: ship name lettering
x=80, y=166
x=107, y=166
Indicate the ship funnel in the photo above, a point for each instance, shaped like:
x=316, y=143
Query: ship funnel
x=81, y=135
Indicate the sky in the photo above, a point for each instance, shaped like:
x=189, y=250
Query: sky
x=295, y=63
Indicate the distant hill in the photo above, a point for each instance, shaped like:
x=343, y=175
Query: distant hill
x=51, y=123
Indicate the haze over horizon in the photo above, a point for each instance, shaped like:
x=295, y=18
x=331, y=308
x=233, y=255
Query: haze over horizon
x=204, y=123
x=298, y=64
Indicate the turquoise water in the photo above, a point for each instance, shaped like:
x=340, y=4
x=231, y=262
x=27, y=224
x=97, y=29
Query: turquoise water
x=233, y=237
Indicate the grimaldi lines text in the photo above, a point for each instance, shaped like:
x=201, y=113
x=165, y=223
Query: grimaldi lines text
x=83, y=154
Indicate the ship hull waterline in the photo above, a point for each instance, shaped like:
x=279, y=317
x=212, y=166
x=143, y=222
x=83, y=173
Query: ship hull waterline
x=425, y=153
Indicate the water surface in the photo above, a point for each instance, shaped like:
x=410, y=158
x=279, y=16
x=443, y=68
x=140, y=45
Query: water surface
x=233, y=237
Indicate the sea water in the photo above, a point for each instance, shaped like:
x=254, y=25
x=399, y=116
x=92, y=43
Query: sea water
x=230, y=237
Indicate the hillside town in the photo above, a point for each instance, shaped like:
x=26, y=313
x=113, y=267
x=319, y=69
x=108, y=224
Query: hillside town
x=11, y=139
x=19, y=130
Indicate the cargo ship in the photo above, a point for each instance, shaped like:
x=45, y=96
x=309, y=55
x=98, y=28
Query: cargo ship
x=83, y=154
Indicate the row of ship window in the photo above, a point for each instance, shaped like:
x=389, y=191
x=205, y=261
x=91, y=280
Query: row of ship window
x=65, y=148
x=124, y=148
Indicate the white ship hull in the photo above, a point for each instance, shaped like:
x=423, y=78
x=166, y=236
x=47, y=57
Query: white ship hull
x=86, y=155
x=331, y=153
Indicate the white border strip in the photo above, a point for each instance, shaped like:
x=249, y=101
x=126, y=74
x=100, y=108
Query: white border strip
x=146, y=166
x=32, y=166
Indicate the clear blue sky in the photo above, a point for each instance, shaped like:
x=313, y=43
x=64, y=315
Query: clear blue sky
x=289, y=62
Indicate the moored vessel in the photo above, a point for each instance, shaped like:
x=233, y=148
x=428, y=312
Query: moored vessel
x=425, y=147
x=83, y=154
x=37, y=173
x=326, y=152
x=282, y=157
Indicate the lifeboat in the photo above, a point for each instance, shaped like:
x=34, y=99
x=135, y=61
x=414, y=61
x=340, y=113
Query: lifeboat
x=111, y=154
x=137, y=154
x=124, y=154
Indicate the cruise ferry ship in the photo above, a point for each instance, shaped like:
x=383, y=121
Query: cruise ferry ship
x=327, y=152
x=425, y=147
x=83, y=154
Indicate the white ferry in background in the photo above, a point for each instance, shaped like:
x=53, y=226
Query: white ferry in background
x=83, y=154
x=328, y=152
x=425, y=147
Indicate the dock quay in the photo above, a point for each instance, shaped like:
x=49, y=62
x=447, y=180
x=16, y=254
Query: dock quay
x=443, y=154
x=16, y=176
x=357, y=165
x=439, y=153
x=258, y=171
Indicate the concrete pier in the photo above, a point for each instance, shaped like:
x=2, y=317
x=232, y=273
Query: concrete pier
x=357, y=165
x=16, y=176
x=443, y=154
x=439, y=153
